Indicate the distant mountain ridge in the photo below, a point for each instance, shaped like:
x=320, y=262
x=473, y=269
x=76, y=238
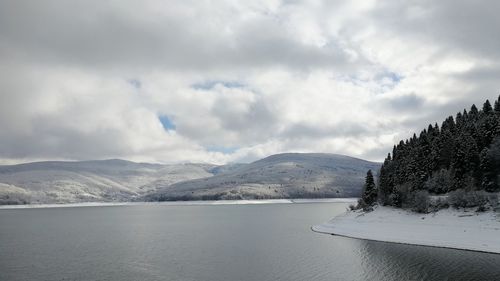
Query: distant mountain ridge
x=89, y=181
x=290, y=175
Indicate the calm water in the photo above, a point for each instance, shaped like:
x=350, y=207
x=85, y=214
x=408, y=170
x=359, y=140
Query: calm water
x=225, y=242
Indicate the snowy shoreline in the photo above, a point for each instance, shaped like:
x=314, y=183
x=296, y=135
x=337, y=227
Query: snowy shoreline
x=181, y=203
x=455, y=229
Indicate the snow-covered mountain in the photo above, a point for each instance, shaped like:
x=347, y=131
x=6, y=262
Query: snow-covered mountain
x=90, y=181
x=289, y=175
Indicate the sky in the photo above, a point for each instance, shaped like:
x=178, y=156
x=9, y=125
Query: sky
x=234, y=81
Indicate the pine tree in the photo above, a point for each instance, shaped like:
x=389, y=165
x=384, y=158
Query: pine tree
x=369, y=190
x=487, y=107
x=497, y=106
x=464, y=153
x=385, y=181
x=473, y=113
x=465, y=161
x=488, y=181
x=487, y=126
x=490, y=167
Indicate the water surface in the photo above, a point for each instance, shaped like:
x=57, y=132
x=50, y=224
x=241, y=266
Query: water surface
x=213, y=242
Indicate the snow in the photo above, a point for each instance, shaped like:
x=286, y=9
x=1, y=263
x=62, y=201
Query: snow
x=289, y=175
x=286, y=175
x=90, y=181
x=448, y=228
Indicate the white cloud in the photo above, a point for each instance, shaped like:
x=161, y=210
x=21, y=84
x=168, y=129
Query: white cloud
x=86, y=80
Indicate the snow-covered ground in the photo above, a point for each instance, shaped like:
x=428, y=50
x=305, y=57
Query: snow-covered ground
x=114, y=180
x=447, y=228
x=287, y=175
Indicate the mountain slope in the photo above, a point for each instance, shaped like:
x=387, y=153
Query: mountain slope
x=289, y=175
x=105, y=180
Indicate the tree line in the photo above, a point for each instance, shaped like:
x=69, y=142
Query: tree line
x=461, y=154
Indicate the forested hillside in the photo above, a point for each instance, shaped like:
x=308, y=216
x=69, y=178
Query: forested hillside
x=463, y=154
x=287, y=175
x=290, y=175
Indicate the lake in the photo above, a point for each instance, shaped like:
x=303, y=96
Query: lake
x=213, y=242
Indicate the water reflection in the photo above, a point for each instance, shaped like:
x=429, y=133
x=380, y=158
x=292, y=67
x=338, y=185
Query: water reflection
x=388, y=261
x=213, y=243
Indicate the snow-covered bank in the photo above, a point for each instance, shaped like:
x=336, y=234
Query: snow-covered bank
x=184, y=203
x=447, y=228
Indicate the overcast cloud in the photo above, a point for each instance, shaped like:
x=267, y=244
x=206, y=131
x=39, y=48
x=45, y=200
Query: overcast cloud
x=222, y=81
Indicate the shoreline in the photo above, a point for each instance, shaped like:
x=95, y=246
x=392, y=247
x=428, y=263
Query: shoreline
x=403, y=243
x=452, y=229
x=181, y=203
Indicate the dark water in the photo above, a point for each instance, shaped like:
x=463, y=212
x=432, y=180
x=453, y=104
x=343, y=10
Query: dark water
x=225, y=242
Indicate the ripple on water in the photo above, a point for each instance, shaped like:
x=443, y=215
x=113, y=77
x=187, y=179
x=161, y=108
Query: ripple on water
x=221, y=242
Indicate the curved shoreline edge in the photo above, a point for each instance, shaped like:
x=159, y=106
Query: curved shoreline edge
x=402, y=243
x=451, y=229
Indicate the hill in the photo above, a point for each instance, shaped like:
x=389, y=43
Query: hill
x=89, y=181
x=289, y=175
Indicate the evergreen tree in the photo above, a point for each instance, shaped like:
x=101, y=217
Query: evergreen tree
x=463, y=154
x=487, y=107
x=497, y=106
x=369, y=190
x=487, y=126
x=488, y=181
x=473, y=113
x=490, y=167
x=385, y=181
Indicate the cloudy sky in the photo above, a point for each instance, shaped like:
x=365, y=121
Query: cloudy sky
x=221, y=81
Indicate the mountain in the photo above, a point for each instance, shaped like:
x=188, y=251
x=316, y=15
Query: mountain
x=289, y=175
x=94, y=181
